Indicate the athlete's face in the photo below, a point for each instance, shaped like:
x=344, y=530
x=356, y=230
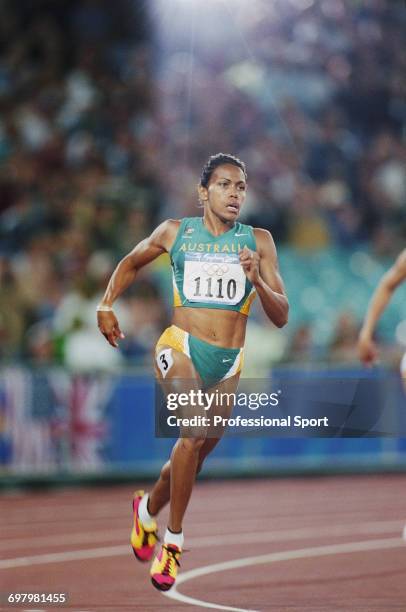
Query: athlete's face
x=225, y=193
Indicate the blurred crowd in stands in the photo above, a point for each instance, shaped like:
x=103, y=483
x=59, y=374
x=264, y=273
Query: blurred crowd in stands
x=108, y=111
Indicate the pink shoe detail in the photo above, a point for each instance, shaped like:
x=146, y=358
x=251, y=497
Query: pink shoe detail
x=142, y=540
x=163, y=581
x=165, y=567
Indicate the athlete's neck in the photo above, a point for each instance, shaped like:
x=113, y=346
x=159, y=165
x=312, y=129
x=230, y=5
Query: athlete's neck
x=215, y=225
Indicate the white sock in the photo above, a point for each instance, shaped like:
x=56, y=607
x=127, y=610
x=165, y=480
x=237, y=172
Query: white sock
x=174, y=538
x=146, y=519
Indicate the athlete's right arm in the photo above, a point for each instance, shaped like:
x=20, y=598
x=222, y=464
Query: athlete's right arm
x=160, y=241
x=389, y=282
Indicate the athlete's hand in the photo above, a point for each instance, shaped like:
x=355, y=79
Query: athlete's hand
x=250, y=264
x=109, y=326
x=367, y=350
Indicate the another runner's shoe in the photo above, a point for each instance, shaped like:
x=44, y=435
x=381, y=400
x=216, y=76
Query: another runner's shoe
x=165, y=567
x=143, y=540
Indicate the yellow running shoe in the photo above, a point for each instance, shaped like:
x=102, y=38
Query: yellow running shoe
x=165, y=567
x=143, y=540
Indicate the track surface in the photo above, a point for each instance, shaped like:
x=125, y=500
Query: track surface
x=299, y=545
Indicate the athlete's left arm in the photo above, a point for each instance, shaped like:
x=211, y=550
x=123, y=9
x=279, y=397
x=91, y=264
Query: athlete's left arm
x=261, y=269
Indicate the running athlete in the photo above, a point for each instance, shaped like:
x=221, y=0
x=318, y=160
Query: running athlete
x=394, y=277
x=219, y=265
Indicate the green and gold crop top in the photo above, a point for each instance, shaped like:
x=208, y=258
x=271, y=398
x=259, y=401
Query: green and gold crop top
x=206, y=270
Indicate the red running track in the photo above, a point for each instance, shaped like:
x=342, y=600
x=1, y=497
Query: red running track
x=284, y=545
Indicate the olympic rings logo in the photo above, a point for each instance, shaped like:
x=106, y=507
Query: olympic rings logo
x=214, y=269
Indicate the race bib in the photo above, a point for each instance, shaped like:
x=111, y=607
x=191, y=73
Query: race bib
x=213, y=278
x=164, y=361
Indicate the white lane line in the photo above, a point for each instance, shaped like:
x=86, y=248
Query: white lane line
x=276, y=535
x=302, y=533
x=64, y=511
x=301, y=553
x=97, y=509
x=81, y=537
x=62, y=557
x=286, y=535
x=173, y=594
x=59, y=521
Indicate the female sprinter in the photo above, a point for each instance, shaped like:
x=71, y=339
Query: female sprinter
x=218, y=265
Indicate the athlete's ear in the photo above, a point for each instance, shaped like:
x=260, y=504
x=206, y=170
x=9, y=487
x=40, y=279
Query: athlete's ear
x=203, y=193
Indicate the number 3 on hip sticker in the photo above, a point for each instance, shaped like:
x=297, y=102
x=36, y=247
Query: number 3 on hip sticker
x=165, y=361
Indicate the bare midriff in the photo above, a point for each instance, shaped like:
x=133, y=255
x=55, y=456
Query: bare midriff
x=225, y=328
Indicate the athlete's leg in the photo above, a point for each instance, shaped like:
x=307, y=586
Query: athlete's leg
x=224, y=408
x=195, y=449
x=184, y=461
x=160, y=493
x=183, y=466
x=177, y=475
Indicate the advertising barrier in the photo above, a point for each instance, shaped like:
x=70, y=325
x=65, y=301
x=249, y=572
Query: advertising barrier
x=58, y=424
